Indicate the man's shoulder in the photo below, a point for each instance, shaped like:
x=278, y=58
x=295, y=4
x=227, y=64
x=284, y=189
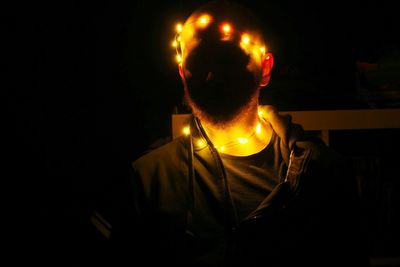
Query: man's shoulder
x=161, y=150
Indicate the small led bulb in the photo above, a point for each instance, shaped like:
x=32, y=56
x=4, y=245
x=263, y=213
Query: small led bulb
x=203, y=21
x=245, y=39
x=186, y=130
x=179, y=27
x=226, y=28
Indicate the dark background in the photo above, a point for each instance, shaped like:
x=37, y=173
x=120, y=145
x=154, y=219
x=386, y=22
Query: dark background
x=91, y=85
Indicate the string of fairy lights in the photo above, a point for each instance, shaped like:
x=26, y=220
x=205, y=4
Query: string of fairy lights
x=247, y=42
x=238, y=141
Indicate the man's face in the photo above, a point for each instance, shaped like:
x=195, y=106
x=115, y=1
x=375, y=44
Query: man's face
x=217, y=80
x=220, y=78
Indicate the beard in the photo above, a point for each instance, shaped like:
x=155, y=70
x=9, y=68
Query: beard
x=219, y=85
x=221, y=100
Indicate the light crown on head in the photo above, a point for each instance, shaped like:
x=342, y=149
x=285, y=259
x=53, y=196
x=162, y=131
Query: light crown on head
x=248, y=42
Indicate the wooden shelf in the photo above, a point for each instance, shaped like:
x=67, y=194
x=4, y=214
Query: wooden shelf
x=327, y=120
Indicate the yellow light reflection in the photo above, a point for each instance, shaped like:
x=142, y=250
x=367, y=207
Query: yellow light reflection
x=258, y=128
x=243, y=140
x=178, y=58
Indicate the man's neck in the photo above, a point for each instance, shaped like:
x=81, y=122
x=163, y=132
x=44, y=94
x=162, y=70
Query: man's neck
x=245, y=135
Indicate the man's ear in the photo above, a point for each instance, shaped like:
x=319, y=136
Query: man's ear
x=267, y=62
x=184, y=73
x=181, y=71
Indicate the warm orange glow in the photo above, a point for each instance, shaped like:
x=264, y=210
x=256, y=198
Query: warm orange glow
x=219, y=148
x=179, y=27
x=204, y=20
x=186, y=130
x=245, y=39
x=258, y=128
x=249, y=42
x=243, y=140
x=200, y=143
x=226, y=28
x=237, y=142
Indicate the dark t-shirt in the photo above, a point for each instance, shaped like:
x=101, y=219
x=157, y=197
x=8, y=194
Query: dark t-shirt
x=252, y=178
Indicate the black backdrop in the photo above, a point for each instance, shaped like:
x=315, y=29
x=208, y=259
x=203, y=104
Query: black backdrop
x=91, y=85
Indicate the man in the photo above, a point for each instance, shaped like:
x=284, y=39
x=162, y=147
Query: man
x=244, y=186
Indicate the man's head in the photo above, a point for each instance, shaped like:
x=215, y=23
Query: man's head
x=224, y=61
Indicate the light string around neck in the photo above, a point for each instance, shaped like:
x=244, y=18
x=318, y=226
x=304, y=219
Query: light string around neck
x=239, y=140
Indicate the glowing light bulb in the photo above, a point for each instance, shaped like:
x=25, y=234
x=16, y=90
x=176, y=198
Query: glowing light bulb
x=245, y=39
x=226, y=28
x=262, y=49
x=179, y=28
x=178, y=58
x=174, y=43
x=186, y=130
x=203, y=21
